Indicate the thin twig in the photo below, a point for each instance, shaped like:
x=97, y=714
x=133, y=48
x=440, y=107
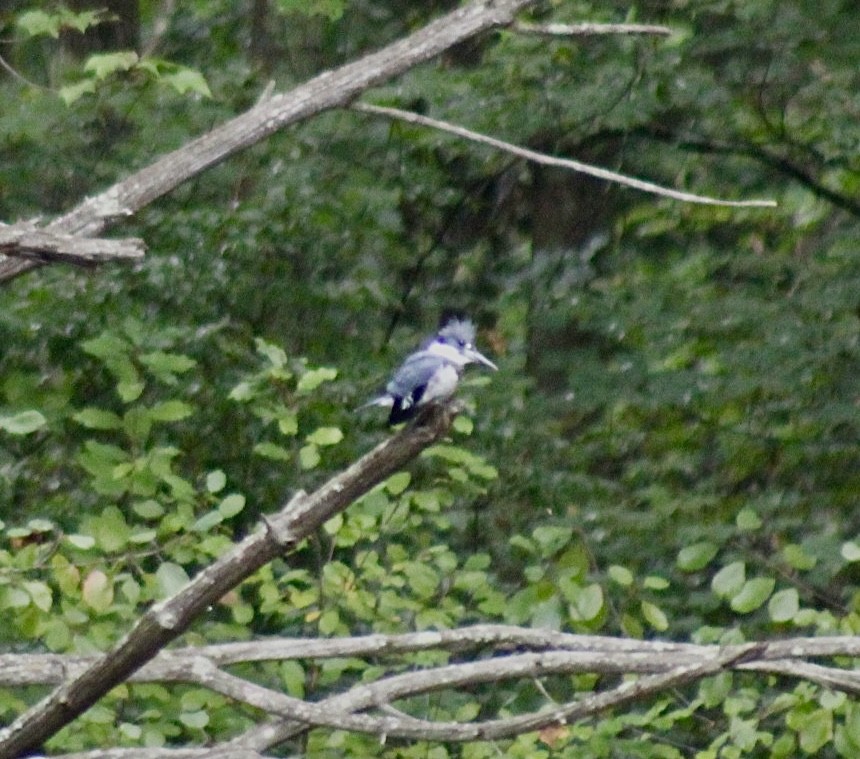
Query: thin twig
x=7, y=67
x=548, y=160
x=587, y=29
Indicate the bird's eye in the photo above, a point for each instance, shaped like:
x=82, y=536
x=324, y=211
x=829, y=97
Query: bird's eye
x=461, y=343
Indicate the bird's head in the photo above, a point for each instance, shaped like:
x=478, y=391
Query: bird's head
x=455, y=342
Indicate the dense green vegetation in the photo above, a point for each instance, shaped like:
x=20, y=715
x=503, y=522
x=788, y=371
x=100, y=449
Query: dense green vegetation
x=669, y=450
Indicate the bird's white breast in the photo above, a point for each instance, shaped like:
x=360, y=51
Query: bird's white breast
x=442, y=383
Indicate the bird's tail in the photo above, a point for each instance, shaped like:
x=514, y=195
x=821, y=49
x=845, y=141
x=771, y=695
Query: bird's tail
x=385, y=401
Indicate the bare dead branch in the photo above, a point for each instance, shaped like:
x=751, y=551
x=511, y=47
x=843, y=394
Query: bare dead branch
x=27, y=241
x=586, y=653
x=555, y=653
x=168, y=619
x=334, y=711
x=662, y=659
x=163, y=752
x=589, y=29
x=548, y=160
x=327, y=90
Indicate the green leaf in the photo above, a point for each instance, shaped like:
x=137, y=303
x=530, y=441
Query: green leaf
x=40, y=594
x=796, y=557
x=588, y=603
x=187, y=80
x=274, y=353
x=109, y=528
x=22, y=423
x=149, y=509
x=397, y=483
x=729, y=580
x=814, y=729
x=243, y=391
x=106, y=346
x=323, y=436
x=141, y=537
x=329, y=621
x=272, y=451
x=783, y=605
x=98, y=419
x=309, y=456
x=694, y=557
x=14, y=598
x=850, y=551
x=102, y=65
x=621, y=575
x=753, y=594
x=654, y=616
x=288, y=423
x=313, y=378
x=170, y=411
x=97, y=591
x=714, y=690
x=463, y=425
x=747, y=520
x=171, y=579
x=81, y=20
x=423, y=579
x=81, y=542
x=231, y=505
x=293, y=678
x=130, y=390
x=552, y=538
x=72, y=92
x=196, y=720
x=166, y=365
x=215, y=481
x=652, y=582
x=35, y=23
x=206, y=522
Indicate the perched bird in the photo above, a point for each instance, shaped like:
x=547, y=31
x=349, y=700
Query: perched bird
x=432, y=372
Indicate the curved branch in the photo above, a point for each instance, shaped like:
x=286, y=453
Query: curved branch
x=548, y=160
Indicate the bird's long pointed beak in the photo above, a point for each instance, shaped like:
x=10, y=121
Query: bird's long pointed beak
x=481, y=359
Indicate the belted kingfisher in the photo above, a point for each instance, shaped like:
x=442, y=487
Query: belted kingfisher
x=432, y=372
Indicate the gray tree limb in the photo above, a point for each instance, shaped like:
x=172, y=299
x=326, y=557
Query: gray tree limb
x=327, y=90
x=26, y=240
x=552, y=653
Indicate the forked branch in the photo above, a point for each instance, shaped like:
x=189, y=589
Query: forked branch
x=515, y=653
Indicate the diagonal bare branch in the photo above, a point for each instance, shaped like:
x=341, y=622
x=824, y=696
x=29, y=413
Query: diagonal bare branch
x=330, y=89
x=548, y=160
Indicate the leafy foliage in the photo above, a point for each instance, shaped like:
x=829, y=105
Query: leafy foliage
x=668, y=451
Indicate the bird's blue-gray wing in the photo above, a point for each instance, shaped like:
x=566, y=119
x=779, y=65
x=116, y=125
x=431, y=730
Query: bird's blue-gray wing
x=413, y=375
